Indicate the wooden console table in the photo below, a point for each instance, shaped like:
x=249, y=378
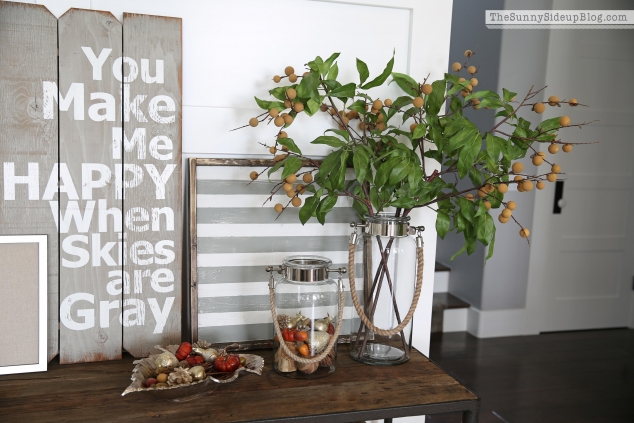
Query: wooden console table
x=355, y=392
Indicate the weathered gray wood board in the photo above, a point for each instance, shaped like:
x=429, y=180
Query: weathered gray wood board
x=153, y=203
x=90, y=273
x=28, y=142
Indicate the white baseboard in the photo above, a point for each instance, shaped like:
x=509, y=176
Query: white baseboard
x=455, y=320
x=495, y=323
x=441, y=282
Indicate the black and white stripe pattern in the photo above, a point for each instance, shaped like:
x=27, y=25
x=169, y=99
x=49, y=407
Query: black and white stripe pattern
x=238, y=237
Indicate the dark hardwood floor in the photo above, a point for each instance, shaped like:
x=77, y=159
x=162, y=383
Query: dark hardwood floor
x=585, y=376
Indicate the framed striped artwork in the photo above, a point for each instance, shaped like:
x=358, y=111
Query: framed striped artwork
x=235, y=233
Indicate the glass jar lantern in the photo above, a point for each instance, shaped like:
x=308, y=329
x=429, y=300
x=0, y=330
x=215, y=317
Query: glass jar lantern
x=307, y=310
x=392, y=282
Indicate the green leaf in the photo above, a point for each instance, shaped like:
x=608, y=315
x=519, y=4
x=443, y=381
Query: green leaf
x=468, y=154
x=342, y=133
x=475, y=176
x=263, y=104
x=456, y=106
x=379, y=80
x=436, y=98
x=399, y=171
x=548, y=125
x=333, y=72
x=485, y=229
x=317, y=65
x=308, y=209
x=358, y=106
x=458, y=86
x=482, y=94
x=442, y=224
x=290, y=144
x=328, y=63
x=420, y=130
x=403, y=202
x=308, y=87
x=345, y=91
x=312, y=107
x=467, y=209
x=494, y=146
x=328, y=140
x=291, y=165
x=383, y=172
x=461, y=138
x=491, y=245
x=406, y=82
x=279, y=93
x=364, y=73
x=470, y=241
x=508, y=95
x=325, y=205
x=275, y=168
x=462, y=250
x=361, y=163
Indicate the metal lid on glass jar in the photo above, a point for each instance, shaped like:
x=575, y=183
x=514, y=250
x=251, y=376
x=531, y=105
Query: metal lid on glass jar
x=384, y=224
x=306, y=268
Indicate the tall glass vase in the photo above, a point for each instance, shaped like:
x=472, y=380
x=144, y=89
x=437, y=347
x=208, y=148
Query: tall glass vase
x=389, y=279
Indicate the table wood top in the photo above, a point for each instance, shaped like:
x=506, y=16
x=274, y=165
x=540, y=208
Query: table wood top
x=92, y=391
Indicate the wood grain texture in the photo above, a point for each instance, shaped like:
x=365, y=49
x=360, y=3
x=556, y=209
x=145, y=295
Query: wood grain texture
x=354, y=392
x=153, y=40
x=83, y=142
x=28, y=56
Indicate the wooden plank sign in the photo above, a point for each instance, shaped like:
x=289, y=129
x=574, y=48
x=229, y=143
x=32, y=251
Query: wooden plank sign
x=90, y=218
x=120, y=184
x=28, y=141
x=153, y=202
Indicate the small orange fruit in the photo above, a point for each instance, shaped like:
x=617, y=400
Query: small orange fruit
x=471, y=70
x=278, y=208
x=567, y=148
x=553, y=148
x=296, y=202
x=503, y=188
x=524, y=233
x=541, y=185
x=553, y=100
x=552, y=177
x=254, y=122
x=564, y=121
x=289, y=70
x=427, y=89
x=253, y=175
x=307, y=178
x=456, y=67
x=517, y=167
x=418, y=102
x=539, y=108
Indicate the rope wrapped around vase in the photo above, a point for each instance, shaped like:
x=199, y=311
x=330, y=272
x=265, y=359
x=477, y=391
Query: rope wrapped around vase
x=355, y=299
x=333, y=338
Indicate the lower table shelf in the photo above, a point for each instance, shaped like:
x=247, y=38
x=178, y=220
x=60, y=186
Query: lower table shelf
x=355, y=392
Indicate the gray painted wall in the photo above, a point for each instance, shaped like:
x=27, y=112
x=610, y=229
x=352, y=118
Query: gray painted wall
x=469, y=32
x=524, y=54
x=513, y=59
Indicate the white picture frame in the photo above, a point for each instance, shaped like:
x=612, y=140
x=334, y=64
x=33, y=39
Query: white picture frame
x=38, y=305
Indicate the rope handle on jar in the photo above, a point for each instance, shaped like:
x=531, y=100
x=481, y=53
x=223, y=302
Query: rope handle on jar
x=419, y=285
x=278, y=332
